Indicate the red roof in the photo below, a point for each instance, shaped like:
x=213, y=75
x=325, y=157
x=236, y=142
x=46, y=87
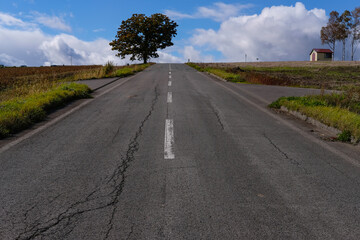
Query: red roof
x=321, y=50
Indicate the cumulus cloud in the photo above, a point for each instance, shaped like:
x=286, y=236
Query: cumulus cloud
x=219, y=11
x=165, y=57
x=53, y=22
x=190, y=53
x=10, y=60
x=277, y=33
x=64, y=48
x=24, y=43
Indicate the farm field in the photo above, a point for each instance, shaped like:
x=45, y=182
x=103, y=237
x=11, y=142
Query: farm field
x=328, y=75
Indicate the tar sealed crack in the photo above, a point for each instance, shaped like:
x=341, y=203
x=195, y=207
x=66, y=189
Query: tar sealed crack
x=106, y=196
x=217, y=115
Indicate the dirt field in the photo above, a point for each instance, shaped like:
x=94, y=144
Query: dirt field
x=328, y=75
x=288, y=64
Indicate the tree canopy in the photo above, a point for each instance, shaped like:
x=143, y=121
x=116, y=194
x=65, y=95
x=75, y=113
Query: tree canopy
x=141, y=36
x=340, y=28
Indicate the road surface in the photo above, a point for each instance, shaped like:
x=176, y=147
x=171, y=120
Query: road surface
x=172, y=153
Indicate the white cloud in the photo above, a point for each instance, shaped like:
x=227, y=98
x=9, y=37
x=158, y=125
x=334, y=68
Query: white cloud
x=28, y=45
x=277, y=33
x=165, y=57
x=10, y=21
x=218, y=12
x=64, y=48
x=10, y=60
x=190, y=53
x=53, y=22
x=98, y=30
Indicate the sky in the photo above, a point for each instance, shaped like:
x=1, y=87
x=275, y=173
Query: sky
x=44, y=32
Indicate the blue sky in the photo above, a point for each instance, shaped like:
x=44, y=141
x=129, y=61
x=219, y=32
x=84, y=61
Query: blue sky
x=39, y=32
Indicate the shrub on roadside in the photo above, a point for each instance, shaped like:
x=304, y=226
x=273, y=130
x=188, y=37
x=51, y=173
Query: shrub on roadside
x=109, y=68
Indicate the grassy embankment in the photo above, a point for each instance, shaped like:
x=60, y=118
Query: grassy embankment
x=28, y=94
x=341, y=110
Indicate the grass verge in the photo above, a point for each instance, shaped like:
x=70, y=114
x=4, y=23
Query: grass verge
x=127, y=71
x=19, y=113
x=228, y=76
x=341, y=111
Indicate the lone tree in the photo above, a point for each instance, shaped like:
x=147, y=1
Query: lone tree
x=141, y=36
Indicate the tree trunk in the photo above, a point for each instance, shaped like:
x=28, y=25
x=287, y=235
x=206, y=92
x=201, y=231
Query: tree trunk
x=333, y=49
x=145, y=57
x=343, y=50
x=352, y=48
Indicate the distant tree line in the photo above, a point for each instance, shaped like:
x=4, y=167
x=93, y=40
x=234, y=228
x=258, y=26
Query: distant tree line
x=341, y=28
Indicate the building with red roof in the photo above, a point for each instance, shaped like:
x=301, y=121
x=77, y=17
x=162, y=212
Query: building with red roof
x=319, y=54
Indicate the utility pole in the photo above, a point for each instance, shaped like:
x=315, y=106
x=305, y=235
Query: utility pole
x=245, y=57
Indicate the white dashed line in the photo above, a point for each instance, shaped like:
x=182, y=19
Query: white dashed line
x=170, y=77
x=169, y=139
x=169, y=84
x=169, y=97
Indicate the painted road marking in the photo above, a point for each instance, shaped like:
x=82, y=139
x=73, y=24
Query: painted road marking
x=169, y=139
x=170, y=77
x=169, y=84
x=169, y=97
x=169, y=73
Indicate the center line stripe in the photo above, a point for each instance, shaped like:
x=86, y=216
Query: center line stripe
x=169, y=139
x=170, y=76
x=169, y=84
x=169, y=97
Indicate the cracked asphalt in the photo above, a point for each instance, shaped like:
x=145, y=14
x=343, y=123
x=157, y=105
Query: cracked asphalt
x=241, y=171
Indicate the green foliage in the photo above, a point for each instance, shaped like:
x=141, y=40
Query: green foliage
x=19, y=113
x=232, y=77
x=345, y=136
x=197, y=67
x=124, y=72
x=141, y=36
x=109, y=67
x=127, y=71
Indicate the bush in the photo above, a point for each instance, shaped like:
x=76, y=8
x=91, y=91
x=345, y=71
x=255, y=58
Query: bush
x=109, y=67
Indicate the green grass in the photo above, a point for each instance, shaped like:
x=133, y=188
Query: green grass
x=197, y=67
x=127, y=71
x=228, y=76
x=232, y=77
x=20, y=113
x=333, y=110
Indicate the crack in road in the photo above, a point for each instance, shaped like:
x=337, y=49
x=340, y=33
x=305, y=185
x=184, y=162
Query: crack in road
x=65, y=221
x=217, y=114
x=292, y=161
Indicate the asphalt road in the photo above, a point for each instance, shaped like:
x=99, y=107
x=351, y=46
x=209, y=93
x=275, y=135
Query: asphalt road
x=175, y=154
